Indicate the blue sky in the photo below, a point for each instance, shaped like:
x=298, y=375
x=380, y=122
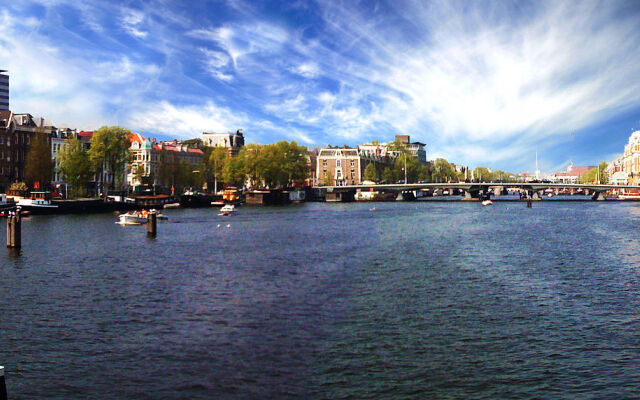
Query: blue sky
x=482, y=83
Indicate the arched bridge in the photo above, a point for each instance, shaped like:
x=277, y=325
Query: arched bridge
x=474, y=190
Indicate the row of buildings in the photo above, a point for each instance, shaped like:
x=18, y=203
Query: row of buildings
x=17, y=131
x=626, y=168
x=346, y=165
x=571, y=175
x=148, y=152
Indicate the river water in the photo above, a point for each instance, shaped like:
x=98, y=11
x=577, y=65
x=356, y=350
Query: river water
x=337, y=301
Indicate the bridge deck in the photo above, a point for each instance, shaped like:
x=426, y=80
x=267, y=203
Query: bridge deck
x=479, y=186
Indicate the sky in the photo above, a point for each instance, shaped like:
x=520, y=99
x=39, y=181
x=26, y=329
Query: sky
x=481, y=83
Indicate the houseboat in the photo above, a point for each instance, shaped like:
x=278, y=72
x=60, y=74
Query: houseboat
x=38, y=203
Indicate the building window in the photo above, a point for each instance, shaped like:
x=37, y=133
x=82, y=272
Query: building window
x=353, y=174
x=338, y=163
x=324, y=163
x=353, y=163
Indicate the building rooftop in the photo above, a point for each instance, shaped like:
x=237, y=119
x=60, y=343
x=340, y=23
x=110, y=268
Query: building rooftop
x=574, y=170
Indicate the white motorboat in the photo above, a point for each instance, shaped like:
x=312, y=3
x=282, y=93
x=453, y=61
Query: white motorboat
x=132, y=218
x=487, y=202
x=227, y=210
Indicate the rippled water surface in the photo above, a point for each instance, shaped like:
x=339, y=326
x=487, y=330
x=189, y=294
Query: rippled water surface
x=408, y=300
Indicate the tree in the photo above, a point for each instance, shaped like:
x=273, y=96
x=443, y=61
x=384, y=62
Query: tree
x=388, y=175
x=217, y=160
x=233, y=171
x=483, y=174
x=170, y=173
x=197, y=142
x=424, y=173
x=370, y=173
x=273, y=165
x=294, y=161
x=251, y=158
x=75, y=165
x=38, y=166
x=604, y=177
x=139, y=173
x=110, y=150
x=591, y=176
x=443, y=171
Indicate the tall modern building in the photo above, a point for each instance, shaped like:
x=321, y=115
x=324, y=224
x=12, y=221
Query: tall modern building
x=4, y=91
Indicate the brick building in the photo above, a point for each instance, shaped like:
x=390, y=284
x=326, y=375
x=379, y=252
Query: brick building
x=147, y=153
x=16, y=133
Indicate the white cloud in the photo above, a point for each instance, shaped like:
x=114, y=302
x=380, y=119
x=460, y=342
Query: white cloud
x=131, y=22
x=308, y=70
x=49, y=81
x=474, y=81
x=184, y=121
x=217, y=64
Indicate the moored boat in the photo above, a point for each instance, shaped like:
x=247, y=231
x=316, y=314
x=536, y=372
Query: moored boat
x=38, y=203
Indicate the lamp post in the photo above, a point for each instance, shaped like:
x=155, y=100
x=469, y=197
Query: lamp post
x=405, y=168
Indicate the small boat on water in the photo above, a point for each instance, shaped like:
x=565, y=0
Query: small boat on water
x=487, y=202
x=132, y=218
x=139, y=217
x=227, y=210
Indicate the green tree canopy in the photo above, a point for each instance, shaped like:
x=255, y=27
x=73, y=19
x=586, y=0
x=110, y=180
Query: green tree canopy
x=592, y=176
x=412, y=164
x=110, y=150
x=38, y=164
x=388, y=175
x=139, y=172
x=424, y=173
x=370, y=173
x=233, y=171
x=273, y=165
x=443, y=171
x=76, y=166
x=483, y=174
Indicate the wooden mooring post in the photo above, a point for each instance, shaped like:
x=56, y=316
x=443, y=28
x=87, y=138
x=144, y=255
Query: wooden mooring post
x=152, y=223
x=3, y=385
x=529, y=203
x=14, y=230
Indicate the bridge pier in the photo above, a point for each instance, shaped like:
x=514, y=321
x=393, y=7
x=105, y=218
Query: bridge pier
x=343, y=197
x=533, y=195
x=598, y=196
x=406, y=196
x=471, y=195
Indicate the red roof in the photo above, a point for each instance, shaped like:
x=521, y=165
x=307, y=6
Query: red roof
x=85, y=133
x=576, y=171
x=135, y=137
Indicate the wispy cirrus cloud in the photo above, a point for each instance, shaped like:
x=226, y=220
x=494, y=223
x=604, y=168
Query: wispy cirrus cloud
x=132, y=21
x=183, y=121
x=479, y=82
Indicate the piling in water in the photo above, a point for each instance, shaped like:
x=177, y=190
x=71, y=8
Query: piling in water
x=3, y=386
x=152, y=223
x=14, y=230
x=528, y=203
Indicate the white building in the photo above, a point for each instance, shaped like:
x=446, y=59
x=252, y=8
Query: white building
x=231, y=141
x=59, y=137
